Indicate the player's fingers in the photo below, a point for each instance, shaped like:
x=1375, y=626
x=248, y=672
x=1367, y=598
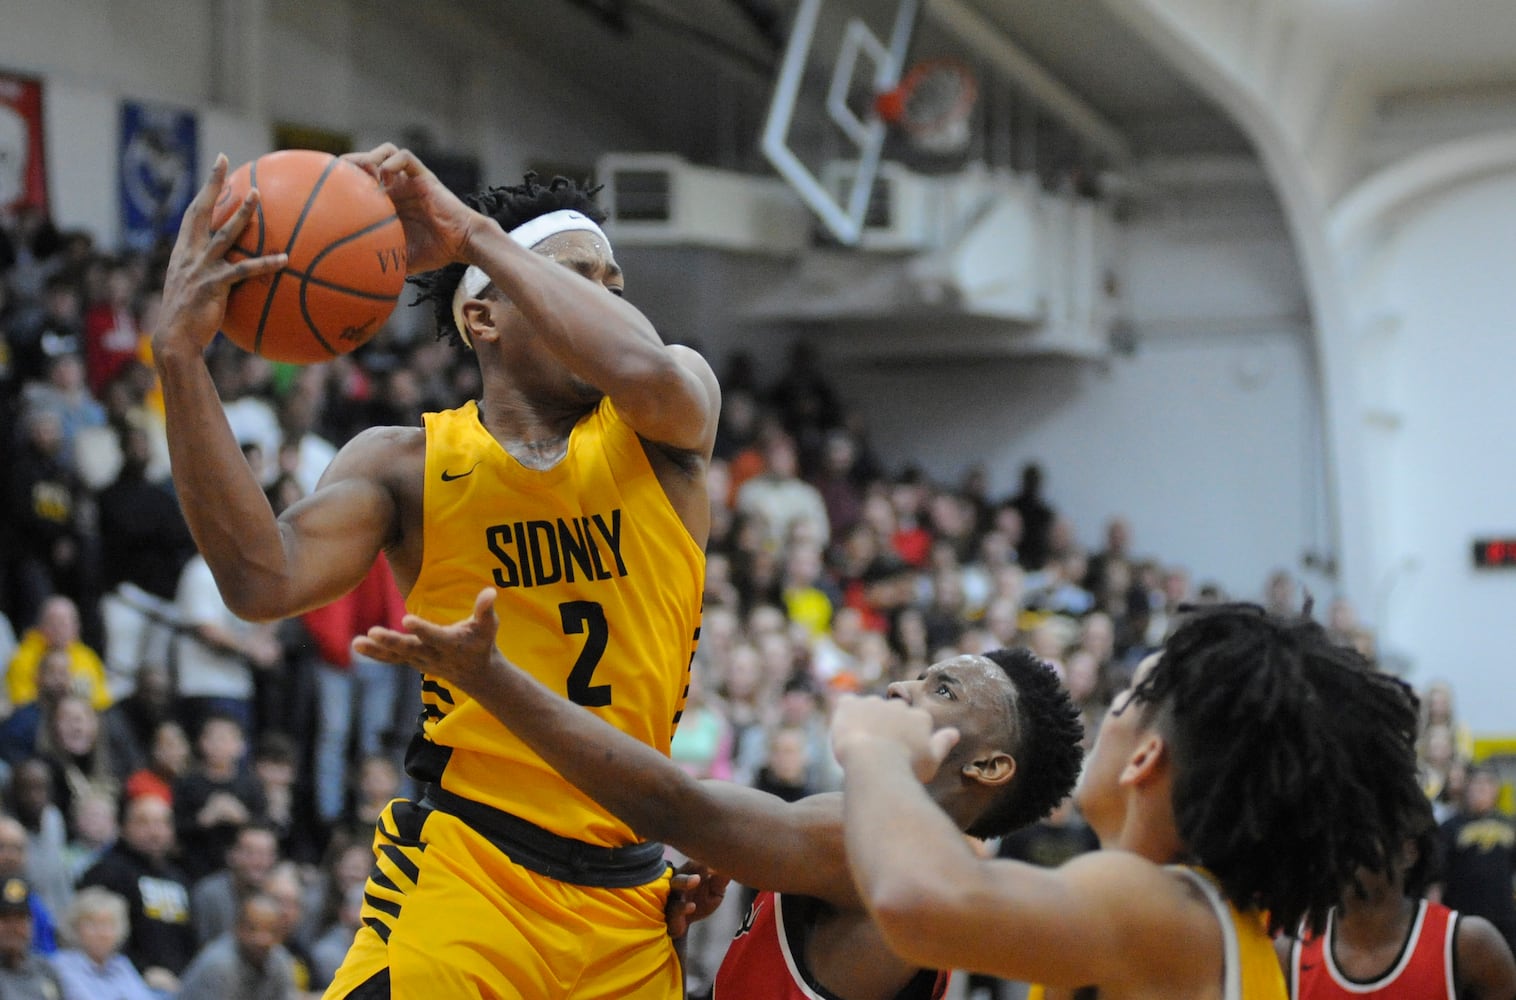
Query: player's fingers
x=941, y=742
x=200, y=205
x=401, y=163
x=365, y=646
x=484, y=604
x=398, y=647
x=223, y=238
x=388, y=638
x=369, y=161
x=253, y=267
x=379, y=633
x=399, y=159
x=425, y=631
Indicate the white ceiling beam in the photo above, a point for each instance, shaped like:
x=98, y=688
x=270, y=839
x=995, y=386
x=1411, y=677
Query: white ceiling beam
x=977, y=33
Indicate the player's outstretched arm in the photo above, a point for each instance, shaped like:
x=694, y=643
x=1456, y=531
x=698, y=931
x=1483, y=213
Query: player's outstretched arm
x=753, y=837
x=264, y=569
x=1486, y=970
x=1100, y=919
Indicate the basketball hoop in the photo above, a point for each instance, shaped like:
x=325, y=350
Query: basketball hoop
x=931, y=105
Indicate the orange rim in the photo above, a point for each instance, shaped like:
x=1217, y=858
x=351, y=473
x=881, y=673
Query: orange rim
x=893, y=106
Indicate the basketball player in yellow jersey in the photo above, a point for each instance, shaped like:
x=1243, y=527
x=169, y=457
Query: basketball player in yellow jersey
x=1236, y=787
x=576, y=488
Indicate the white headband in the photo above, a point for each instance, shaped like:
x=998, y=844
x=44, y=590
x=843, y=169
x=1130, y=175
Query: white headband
x=528, y=234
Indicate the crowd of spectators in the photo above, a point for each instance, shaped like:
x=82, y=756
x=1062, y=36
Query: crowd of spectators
x=195, y=791
x=201, y=787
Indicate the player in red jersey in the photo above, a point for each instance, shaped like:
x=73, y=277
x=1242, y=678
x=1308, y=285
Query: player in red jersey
x=807, y=937
x=1383, y=940
x=1249, y=770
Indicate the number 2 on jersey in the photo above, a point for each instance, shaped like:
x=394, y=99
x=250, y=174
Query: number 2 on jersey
x=586, y=617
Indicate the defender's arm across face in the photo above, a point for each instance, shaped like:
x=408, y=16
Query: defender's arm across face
x=753, y=837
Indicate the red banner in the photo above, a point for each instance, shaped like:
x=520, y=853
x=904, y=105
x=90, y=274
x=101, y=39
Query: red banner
x=23, y=173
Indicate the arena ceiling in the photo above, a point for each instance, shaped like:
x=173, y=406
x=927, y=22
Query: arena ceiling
x=696, y=74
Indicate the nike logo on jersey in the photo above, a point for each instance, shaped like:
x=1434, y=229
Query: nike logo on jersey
x=448, y=477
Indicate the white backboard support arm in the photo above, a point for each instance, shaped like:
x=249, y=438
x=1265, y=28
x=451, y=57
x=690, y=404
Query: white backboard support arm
x=844, y=221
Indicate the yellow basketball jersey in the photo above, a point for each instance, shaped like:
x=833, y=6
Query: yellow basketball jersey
x=599, y=586
x=1252, y=967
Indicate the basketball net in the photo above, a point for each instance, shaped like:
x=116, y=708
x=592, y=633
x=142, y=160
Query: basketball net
x=931, y=106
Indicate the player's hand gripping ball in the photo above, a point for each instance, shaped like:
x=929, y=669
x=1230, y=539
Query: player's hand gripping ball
x=346, y=257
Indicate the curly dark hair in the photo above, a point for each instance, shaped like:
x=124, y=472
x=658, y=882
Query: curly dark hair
x=1424, y=870
x=510, y=206
x=1294, y=759
x=1047, y=745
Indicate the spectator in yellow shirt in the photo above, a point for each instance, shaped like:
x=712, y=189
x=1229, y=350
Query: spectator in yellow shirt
x=57, y=628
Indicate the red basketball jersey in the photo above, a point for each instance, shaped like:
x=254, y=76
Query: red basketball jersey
x=764, y=961
x=1422, y=971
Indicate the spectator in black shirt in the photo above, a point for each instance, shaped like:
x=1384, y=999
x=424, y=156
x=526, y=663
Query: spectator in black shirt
x=138, y=716
x=42, y=509
x=1037, y=518
x=162, y=940
x=806, y=402
x=144, y=539
x=786, y=772
x=1479, y=855
x=216, y=799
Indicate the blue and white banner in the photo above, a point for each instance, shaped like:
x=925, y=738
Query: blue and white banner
x=160, y=147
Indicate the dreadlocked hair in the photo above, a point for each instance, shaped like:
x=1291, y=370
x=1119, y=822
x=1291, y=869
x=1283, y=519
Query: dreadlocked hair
x=1294, y=759
x=510, y=206
x=1047, y=745
x=1423, y=870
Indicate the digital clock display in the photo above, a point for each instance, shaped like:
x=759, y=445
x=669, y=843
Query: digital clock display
x=1495, y=553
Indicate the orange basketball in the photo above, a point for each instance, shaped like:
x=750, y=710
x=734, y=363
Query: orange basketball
x=346, y=257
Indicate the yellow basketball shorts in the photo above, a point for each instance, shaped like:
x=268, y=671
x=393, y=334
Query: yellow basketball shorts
x=447, y=914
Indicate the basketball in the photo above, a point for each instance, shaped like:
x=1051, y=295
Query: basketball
x=346, y=257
